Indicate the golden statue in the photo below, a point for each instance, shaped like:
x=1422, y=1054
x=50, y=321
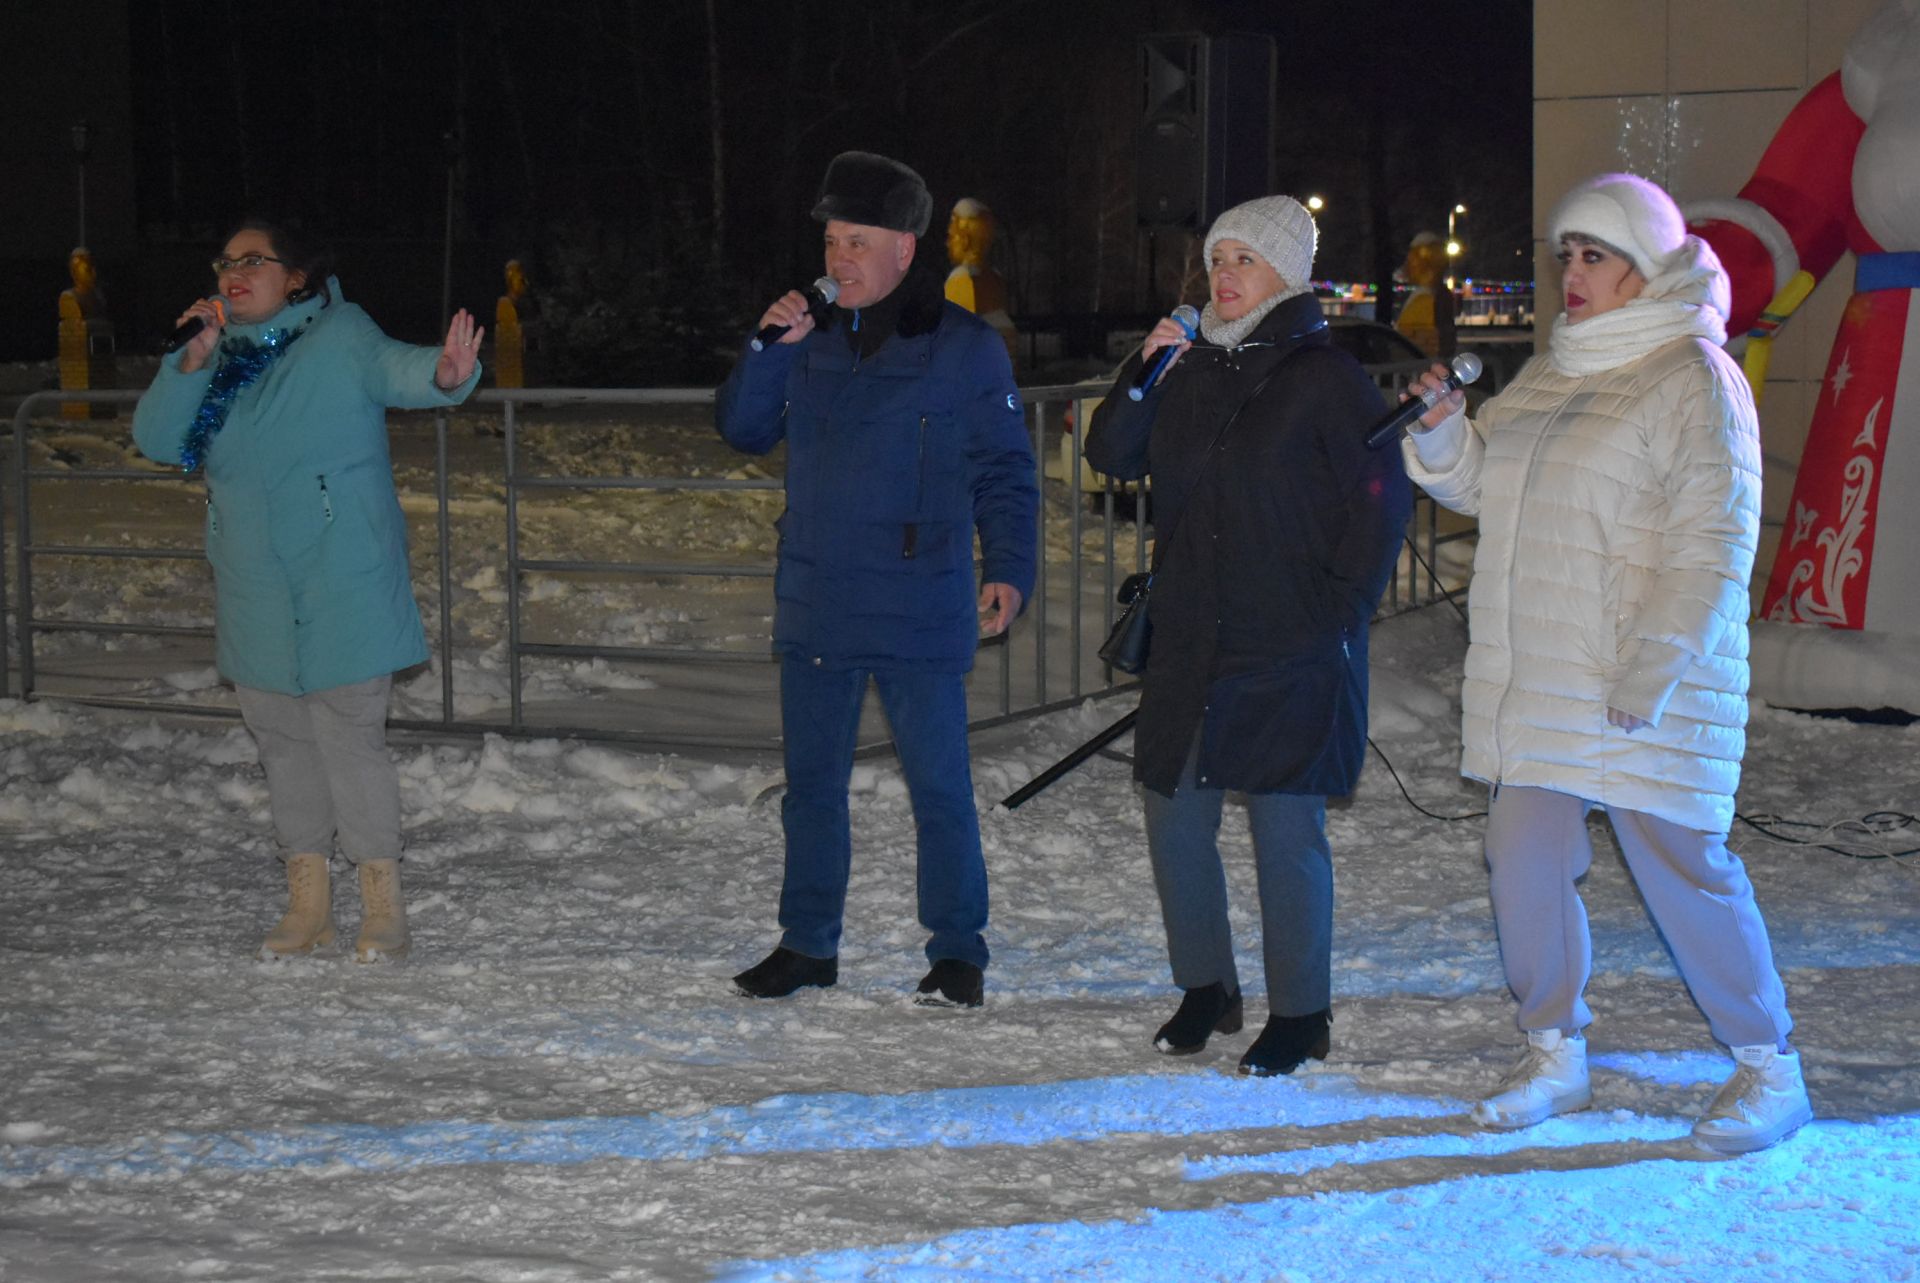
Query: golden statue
x=509, y=335
x=86, y=338
x=1427, y=315
x=972, y=284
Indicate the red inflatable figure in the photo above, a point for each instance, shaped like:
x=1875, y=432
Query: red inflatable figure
x=1843, y=173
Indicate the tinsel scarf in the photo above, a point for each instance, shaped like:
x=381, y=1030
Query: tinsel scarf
x=242, y=362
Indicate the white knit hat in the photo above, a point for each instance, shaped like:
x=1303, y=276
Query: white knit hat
x=1279, y=229
x=1628, y=214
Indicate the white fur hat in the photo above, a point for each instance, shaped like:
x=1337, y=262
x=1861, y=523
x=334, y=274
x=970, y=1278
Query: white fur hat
x=1280, y=230
x=1627, y=213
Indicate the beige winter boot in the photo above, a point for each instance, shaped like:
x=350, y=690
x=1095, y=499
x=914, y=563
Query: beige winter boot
x=383, y=914
x=309, y=920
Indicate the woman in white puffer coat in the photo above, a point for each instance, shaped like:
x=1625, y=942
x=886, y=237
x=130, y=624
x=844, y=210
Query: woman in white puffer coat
x=1617, y=486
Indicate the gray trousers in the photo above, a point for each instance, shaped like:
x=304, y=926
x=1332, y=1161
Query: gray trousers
x=1696, y=890
x=1294, y=866
x=328, y=773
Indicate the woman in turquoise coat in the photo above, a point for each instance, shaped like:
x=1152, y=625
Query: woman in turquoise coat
x=282, y=398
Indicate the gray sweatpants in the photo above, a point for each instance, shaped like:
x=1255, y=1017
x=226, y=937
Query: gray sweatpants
x=325, y=754
x=1294, y=866
x=1696, y=890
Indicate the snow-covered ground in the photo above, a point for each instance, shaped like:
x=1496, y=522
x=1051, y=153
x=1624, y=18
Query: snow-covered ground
x=560, y=1085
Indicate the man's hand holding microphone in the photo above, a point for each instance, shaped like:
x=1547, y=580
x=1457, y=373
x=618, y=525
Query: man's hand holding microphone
x=790, y=319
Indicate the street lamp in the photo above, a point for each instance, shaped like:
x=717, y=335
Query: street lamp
x=1454, y=248
x=1315, y=204
x=80, y=131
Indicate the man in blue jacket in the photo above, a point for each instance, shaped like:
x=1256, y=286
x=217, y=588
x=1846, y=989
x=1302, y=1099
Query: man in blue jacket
x=904, y=436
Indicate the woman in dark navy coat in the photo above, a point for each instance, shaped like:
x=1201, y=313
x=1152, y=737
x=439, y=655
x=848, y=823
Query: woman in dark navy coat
x=1280, y=530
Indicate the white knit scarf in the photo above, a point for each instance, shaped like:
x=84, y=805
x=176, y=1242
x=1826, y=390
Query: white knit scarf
x=1227, y=333
x=1690, y=299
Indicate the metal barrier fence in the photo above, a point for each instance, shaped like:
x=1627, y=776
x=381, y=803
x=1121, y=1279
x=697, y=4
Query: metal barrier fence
x=1019, y=675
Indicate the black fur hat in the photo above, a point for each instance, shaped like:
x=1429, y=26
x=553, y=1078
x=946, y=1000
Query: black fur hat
x=861, y=187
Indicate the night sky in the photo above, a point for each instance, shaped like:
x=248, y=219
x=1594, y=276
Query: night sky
x=584, y=136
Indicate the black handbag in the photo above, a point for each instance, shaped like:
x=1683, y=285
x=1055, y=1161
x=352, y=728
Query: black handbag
x=1126, y=646
x=1127, y=643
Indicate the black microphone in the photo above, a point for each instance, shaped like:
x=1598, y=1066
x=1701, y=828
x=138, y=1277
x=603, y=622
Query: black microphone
x=821, y=293
x=1187, y=317
x=1466, y=368
x=192, y=326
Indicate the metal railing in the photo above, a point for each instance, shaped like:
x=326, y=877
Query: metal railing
x=1019, y=676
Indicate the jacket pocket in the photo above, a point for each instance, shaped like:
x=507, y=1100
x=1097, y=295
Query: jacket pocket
x=211, y=542
x=940, y=470
x=1296, y=726
x=887, y=547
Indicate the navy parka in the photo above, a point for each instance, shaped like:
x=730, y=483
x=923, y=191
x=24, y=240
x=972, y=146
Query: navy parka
x=894, y=459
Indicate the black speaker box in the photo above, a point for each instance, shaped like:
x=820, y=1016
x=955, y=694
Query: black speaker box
x=1206, y=133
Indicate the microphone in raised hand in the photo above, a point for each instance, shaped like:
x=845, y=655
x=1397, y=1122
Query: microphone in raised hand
x=1187, y=317
x=821, y=294
x=1466, y=368
x=191, y=327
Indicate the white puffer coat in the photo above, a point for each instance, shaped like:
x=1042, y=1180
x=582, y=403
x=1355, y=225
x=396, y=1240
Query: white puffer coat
x=1619, y=513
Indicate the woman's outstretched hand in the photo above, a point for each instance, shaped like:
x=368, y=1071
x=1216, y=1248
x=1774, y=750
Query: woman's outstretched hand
x=458, y=353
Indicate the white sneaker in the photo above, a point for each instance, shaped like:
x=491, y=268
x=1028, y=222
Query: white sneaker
x=1550, y=1079
x=1762, y=1104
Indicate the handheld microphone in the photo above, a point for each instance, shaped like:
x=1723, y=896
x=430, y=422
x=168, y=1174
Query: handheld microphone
x=1466, y=368
x=192, y=326
x=821, y=293
x=1187, y=317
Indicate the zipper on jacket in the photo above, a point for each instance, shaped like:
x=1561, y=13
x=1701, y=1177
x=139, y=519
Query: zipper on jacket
x=911, y=534
x=1513, y=570
x=213, y=517
x=326, y=500
x=920, y=467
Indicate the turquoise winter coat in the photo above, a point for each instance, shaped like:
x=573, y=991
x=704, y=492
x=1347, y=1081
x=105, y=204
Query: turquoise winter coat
x=304, y=531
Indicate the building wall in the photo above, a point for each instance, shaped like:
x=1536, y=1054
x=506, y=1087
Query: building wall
x=1688, y=93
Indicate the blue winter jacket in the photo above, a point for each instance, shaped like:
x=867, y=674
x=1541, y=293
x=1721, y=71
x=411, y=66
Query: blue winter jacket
x=304, y=531
x=893, y=461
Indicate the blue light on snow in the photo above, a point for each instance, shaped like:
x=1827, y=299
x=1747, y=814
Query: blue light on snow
x=1035, y=1114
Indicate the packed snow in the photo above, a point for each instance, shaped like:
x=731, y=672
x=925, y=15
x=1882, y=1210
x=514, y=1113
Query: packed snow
x=561, y=1086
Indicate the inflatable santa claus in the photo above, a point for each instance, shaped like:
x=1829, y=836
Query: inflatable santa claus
x=1840, y=620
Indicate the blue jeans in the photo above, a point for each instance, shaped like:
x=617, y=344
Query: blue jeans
x=820, y=716
x=1295, y=870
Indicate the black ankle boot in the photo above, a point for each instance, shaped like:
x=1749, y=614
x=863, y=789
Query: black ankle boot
x=952, y=983
x=783, y=971
x=1205, y=1011
x=1287, y=1043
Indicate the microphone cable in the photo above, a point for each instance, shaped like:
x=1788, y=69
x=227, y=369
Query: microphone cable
x=1872, y=825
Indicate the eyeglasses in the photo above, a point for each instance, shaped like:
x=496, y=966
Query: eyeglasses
x=245, y=263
